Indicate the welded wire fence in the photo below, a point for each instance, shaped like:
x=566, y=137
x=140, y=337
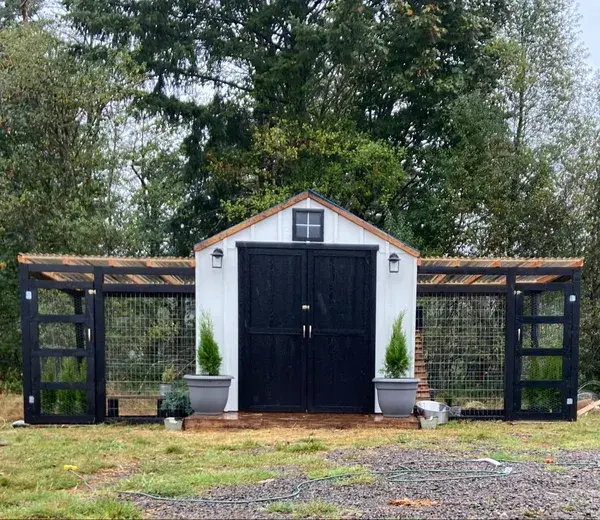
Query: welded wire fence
x=464, y=350
x=150, y=339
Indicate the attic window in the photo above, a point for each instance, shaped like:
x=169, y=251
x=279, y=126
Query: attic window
x=308, y=225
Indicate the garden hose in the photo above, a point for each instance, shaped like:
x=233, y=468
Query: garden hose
x=402, y=474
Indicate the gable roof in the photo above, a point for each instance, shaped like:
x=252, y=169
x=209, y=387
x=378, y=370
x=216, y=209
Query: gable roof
x=294, y=200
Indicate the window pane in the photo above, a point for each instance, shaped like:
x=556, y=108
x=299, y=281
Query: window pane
x=302, y=231
x=542, y=335
x=538, y=368
x=314, y=218
x=314, y=231
x=301, y=217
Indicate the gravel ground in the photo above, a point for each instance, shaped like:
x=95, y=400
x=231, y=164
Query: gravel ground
x=532, y=490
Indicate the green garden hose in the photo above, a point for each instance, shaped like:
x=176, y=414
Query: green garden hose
x=402, y=474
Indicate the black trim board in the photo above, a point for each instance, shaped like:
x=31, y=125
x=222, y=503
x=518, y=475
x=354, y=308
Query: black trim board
x=488, y=289
x=302, y=245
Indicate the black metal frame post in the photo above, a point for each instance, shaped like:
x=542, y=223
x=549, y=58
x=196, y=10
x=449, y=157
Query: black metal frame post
x=24, y=293
x=575, y=307
x=99, y=344
x=509, y=348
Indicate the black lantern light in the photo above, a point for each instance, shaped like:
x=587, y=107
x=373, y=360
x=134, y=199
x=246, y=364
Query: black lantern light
x=217, y=258
x=394, y=261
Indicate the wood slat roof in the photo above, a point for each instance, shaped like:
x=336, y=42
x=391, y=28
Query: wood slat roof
x=491, y=278
x=178, y=263
x=111, y=261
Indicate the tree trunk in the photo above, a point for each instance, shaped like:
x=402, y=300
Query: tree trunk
x=24, y=5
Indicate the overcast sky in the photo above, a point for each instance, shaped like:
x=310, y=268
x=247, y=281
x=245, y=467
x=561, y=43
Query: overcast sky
x=590, y=27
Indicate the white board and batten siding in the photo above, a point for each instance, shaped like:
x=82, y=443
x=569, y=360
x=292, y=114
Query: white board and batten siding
x=217, y=289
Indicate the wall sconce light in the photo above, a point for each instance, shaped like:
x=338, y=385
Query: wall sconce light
x=217, y=258
x=394, y=261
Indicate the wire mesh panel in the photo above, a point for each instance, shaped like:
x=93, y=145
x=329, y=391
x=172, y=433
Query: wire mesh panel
x=63, y=370
x=464, y=347
x=149, y=338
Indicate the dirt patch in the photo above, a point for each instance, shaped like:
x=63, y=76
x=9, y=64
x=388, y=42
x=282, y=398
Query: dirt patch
x=531, y=490
x=11, y=409
x=108, y=476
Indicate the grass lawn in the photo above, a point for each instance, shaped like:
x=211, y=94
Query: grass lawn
x=34, y=483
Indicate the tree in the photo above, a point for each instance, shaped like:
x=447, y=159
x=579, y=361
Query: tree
x=359, y=173
x=14, y=11
x=148, y=168
x=388, y=69
x=542, y=79
x=54, y=195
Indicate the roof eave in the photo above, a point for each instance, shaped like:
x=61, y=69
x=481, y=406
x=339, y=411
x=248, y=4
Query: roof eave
x=309, y=194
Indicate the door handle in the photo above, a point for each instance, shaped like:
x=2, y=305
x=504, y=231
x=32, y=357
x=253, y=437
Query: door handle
x=89, y=331
x=519, y=334
x=303, y=331
x=310, y=332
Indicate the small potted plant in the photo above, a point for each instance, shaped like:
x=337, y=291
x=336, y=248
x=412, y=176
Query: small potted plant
x=176, y=403
x=208, y=390
x=168, y=377
x=396, y=394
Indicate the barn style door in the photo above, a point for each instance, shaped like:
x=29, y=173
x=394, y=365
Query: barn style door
x=307, y=337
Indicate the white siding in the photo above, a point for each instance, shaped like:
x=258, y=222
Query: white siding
x=217, y=291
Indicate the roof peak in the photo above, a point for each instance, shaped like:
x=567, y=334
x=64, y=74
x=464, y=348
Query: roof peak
x=308, y=194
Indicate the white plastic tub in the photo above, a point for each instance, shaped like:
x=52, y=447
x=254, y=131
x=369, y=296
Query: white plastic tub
x=429, y=409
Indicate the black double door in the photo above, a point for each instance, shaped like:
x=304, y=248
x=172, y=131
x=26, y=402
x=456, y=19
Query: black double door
x=307, y=328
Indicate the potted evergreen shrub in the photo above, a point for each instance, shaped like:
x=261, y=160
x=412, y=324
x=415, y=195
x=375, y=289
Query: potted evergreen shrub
x=176, y=402
x=168, y=377
x=396, y=394
x=209, y=390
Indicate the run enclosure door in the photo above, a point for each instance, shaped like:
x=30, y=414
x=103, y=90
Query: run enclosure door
x=306, y=328
x=59, y=352
x=545, y=368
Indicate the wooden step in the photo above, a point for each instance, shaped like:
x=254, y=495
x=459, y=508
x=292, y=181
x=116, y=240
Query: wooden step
x=253, y=421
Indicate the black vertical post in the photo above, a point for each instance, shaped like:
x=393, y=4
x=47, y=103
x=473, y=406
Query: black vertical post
x=99, y=344
x=28, y=409
x=574, y=354
x=510, y=347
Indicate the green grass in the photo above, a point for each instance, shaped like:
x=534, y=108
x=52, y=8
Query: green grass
x=113, y=458
x=307, y=445
x=311, y=509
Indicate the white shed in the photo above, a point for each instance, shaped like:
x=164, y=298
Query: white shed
x=303, y=304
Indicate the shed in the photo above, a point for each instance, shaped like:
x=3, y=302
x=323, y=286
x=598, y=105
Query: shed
x=302, y=298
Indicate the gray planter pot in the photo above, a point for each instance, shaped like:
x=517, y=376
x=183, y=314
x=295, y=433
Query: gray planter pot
x=396, y=396
x=208, y=394
x=164, y=389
